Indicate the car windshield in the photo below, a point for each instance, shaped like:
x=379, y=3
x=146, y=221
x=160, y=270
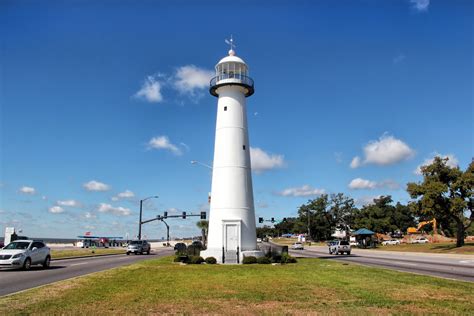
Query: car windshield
x=344, y=243
x=17, y=245
x=136, y=242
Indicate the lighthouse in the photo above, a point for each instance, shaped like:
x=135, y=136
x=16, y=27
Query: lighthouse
x=232, y=232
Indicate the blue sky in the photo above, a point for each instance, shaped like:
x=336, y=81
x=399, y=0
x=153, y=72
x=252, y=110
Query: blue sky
x=106, y=102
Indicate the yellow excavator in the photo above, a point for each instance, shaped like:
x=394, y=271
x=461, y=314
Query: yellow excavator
x=414, y=230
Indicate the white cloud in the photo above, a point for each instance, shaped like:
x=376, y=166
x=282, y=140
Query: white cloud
x=356, y=162
x=107, y=208
x=420, y=5
x=262, y=161
x=27, y=190
x=360, y=184
x=94, y=185
x=150, y=90
x=71, y=203
x=89, y=215
x=56, y=209
x=127, y=194
x=386, y=151
x=452, y=162
x=305, y=190
x=190, y=79
x=163, y=142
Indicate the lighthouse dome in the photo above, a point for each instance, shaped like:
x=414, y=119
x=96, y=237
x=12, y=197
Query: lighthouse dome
x=232, y=71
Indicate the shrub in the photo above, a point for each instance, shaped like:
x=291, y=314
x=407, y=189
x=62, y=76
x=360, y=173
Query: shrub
x=196, y=260
x=249, y=260
x=211, y=260
x=194, y=250
x=276, y=258
x=181, y=258
x=286, y=258
x=263, y=260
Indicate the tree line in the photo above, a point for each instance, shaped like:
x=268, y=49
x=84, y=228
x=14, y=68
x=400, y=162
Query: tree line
x=445, y=193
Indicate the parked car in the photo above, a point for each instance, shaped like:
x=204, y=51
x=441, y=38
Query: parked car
x=259, y=240
x=339, y=247
x=420, y=240
x=391, y=242
x=138, y=247
x=24, y=254
x=181, y=246
x=297, y=246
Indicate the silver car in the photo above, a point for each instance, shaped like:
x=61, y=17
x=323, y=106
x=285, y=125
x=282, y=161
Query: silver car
x=339, y=247
x=24, y=254
x=139, y=247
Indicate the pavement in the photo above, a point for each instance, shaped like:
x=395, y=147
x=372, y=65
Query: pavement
x=455, y=267
x=12, y=281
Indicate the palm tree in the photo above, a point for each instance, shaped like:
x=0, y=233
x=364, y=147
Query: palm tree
x=203, y=225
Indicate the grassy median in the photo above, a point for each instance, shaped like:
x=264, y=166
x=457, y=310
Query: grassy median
x=83, y=252
x=307, y=287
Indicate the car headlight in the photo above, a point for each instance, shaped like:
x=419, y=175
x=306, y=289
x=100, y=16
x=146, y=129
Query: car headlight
x=18, y=255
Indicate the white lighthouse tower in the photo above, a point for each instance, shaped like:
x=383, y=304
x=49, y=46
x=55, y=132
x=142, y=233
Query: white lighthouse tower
x=232, y=232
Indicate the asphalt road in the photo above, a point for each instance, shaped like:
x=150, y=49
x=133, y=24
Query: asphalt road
x=12, y=281
x=457, y=267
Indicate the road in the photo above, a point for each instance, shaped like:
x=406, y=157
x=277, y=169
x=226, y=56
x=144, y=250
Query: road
x=457, y=267
x=12, y=281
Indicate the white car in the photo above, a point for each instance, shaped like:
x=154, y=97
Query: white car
x=297, y=246
x=421, y=240
x=391, y=242
x=24, y=254
x=259, y=240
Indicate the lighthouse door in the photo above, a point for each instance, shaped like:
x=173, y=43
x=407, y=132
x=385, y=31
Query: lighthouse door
x=231, y=238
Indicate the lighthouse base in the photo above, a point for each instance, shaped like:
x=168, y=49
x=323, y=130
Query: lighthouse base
x=230, y=257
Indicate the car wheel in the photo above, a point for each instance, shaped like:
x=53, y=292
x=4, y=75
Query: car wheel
x=47, y=262
x=136, y=253
x=27, y=264
x=128, y=253
x=148, y=252
x=349, y=253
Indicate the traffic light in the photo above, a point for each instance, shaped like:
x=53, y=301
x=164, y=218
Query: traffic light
x=260, y=219
x=165, y=215
x=203, y=215
x=273, y=220
x=184, y=215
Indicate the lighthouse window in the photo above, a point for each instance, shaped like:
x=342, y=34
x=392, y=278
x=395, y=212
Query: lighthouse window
x=243, y=147
x=225, y=108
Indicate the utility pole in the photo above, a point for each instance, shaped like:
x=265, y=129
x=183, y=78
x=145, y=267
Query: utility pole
x=309, y=225
x=140, y=219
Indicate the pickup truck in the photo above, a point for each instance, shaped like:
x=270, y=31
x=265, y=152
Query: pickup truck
x=339, y=247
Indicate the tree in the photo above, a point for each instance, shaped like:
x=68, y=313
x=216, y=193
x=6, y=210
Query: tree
x=445, y=192
x=377, y=216
x=326, y=213
x=204, y=226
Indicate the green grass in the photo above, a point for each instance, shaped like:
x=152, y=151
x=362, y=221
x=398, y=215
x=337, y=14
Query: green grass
x=80, y=252
x=467, y=249
x=308, y=287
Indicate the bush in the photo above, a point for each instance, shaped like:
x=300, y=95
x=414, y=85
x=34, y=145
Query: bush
x=263, y=260
x=196, y=260
x=286, y=258
x=211, y=260
x=194, y=250
x=249, y=260
x=276, y=258
x=181, y=258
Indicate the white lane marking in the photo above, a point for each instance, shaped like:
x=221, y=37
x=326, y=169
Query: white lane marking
x=78, y=264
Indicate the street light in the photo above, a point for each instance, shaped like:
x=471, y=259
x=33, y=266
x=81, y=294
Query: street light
x=140, y=221
x=195, y=162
